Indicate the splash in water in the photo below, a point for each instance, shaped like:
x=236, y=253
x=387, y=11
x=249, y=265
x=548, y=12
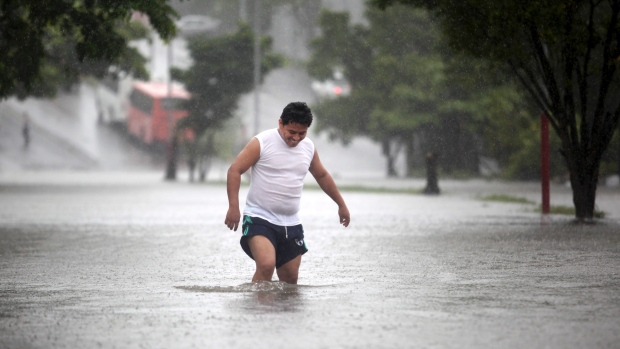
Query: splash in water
x=250, y=287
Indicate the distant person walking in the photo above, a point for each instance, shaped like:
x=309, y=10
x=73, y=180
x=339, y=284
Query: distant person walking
x=26, y=130
x=280, y=158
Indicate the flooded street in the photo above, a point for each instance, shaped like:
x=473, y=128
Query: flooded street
x=139, y=263
x=98, y=251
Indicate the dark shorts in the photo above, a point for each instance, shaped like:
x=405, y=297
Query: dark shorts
x=287, y=241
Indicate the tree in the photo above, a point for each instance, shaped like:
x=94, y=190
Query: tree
x=382, y=77
x=42, y=42
x=564, y=53
x=222, y=72
x=407, y=90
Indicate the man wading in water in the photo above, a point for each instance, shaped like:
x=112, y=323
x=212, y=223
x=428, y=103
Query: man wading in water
x=280, y=158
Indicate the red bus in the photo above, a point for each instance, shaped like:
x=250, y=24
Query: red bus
x=151, y=110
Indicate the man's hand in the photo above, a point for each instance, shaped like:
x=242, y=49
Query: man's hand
x=345, y=217
x=233, y=216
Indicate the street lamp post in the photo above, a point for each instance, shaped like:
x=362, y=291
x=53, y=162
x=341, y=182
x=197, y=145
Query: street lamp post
x=257, y=60
x=243, y=10
x=171, y=161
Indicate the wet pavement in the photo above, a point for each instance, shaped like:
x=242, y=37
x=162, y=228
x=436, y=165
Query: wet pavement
x=128, y=261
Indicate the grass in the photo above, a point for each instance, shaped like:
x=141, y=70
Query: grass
x=364, y=189
x=553, y=209
x=569, y=210
x=350, y=188
x=506, y=198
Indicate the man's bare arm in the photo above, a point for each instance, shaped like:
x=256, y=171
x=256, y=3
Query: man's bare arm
x=326, y=182
x=246, y=159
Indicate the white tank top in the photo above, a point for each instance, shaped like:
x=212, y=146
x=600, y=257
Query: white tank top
x=277, y=179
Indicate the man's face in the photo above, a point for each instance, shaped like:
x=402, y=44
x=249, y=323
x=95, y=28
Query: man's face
x=293, y=133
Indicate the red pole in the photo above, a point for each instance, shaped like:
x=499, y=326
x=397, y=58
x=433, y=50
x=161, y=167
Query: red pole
x=544, y=157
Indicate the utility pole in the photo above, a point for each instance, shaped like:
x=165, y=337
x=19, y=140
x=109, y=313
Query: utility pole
x=257, y=61
x=243, y=10
x=171, y=161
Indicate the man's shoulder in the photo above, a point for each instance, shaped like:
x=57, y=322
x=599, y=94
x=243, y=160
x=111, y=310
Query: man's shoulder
x=309, y=142
x=264, y=136
x=308, y=145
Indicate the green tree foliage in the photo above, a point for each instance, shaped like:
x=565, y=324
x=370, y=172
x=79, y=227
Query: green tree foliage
x=379, y=69
x=47, y=44
x=565, y=54
x=342, y=47
x=406, y=87
x=223, y=70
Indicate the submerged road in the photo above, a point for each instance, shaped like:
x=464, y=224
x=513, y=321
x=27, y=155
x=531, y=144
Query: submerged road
x=111, y=261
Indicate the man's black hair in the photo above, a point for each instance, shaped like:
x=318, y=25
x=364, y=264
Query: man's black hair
x=298, y=112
